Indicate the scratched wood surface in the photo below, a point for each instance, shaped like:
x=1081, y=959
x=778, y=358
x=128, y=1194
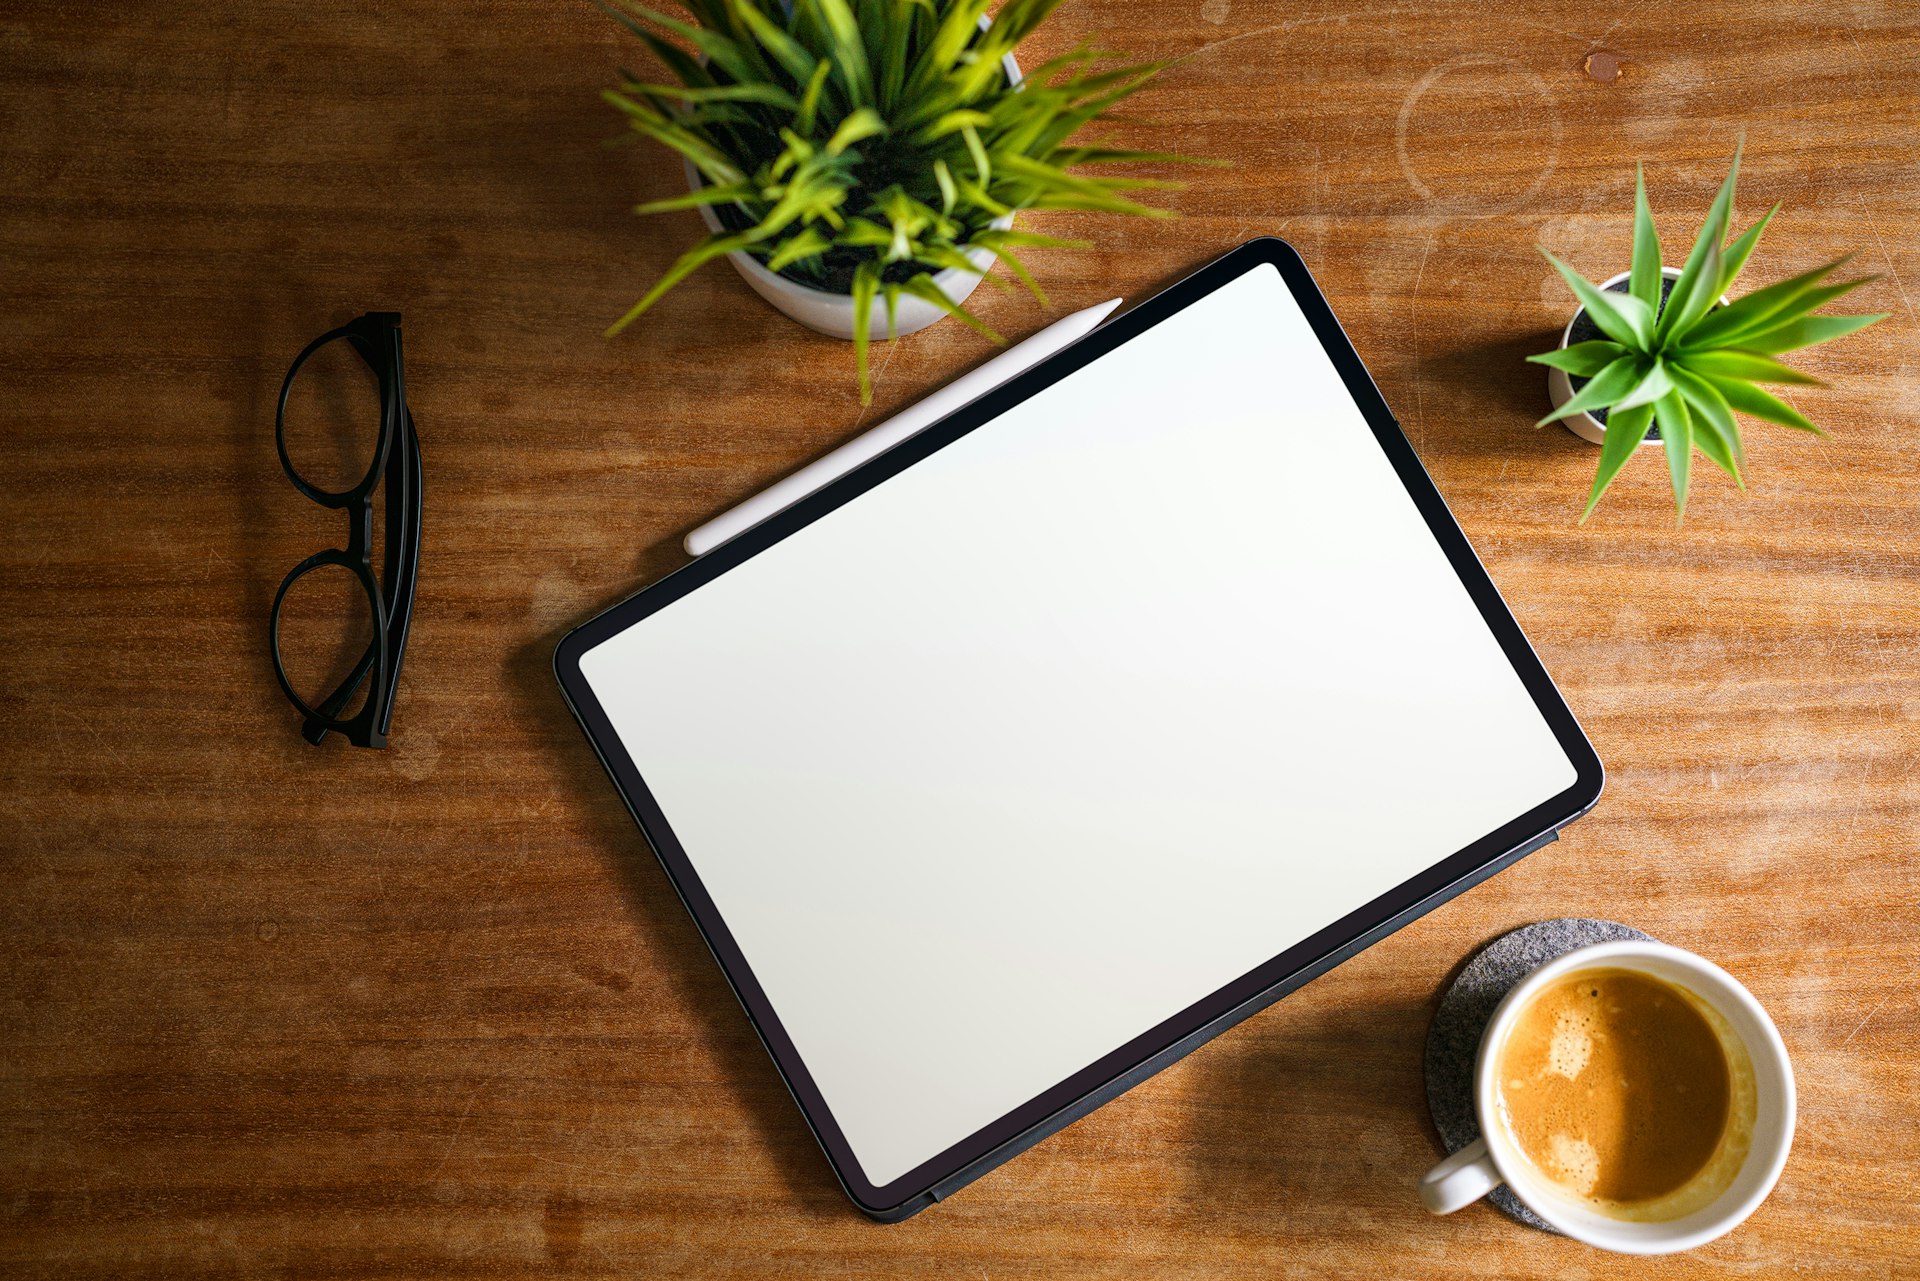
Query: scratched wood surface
x=268, y=1010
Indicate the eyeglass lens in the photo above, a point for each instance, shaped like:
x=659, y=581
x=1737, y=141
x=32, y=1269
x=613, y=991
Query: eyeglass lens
x=327, y=624
x=328, y=619
x=332, y=421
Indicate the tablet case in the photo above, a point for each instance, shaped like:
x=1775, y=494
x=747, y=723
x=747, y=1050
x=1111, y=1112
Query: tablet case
x=1441, y=882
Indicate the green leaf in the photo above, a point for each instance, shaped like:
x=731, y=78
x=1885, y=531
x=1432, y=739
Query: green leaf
x=646, y=112
x=1747, y=365
x=1750, y=400
x=1019, y=269
x=1621, y=317
x=1583, y=359
x=1043, y=199
x=952, y=122
x=1712, y=233
x=1709, y=440
x=809, y=108
x=712, y=165
x=866, y=279
x=977, y=195
x=672, y=57
x=1740, y=250
x=982, y=167
x=891, y=292
x=1691, y=299
x=1061, y=190
x=1061, y=64
x=1606, y=387
x=769, y=95
x=1807, y=332
x=864, y=233
x=1123, y=183
x=923, y=287
x=708, y=195
x=1018, y=18
x=808, y=244
x=722, y=52
x=700, y=115
x=995, y=236
x=943, y=178
x=945, y=256
x=1800, y=305
x=1644, y=279
x=788, y=52
x=896, y=33
x=797, y=152
x=849, y=52
x=950, y=38
x=1653, y=384
x=1625, y=431
x=1714, y=430
x=1758, y=309
x=712, y=13
x=698, y=256
x=864, y=123
x=1676, y=433
x=1067, y=158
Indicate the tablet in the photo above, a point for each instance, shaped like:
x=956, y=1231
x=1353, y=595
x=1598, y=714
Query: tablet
x=1008, y=768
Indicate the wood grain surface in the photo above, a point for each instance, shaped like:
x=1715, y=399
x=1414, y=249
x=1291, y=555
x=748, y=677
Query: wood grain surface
x=267, y=1010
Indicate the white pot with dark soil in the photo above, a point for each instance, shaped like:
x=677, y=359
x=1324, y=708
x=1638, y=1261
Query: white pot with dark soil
x=830, y=311
x=1561, y=386
x=861, y=169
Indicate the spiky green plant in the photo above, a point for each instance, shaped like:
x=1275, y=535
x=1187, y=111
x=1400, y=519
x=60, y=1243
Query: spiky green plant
x=1686, y=364
x=860, y=145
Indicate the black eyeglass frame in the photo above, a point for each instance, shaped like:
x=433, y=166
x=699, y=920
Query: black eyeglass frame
x=396, y=463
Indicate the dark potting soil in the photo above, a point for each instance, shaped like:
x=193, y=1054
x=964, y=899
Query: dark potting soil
x=831, y=271
x=1584, y=330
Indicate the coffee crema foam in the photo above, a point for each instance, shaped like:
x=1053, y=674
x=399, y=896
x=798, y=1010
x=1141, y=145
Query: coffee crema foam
x=1627, y=1094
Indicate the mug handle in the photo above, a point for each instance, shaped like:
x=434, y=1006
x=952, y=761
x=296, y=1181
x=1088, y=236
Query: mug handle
x=1460, y=1180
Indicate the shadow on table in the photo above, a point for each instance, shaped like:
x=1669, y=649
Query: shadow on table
x=1305, y=1119
x=698, y=984
x=1314, y=1115
x=1484, y=398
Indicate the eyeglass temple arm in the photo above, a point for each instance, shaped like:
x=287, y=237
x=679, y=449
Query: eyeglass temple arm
x=404, y=473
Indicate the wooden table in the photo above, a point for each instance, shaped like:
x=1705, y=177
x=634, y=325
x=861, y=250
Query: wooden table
x=267, y=1010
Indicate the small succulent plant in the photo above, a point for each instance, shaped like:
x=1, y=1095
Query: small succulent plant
x=861, y=145
x=1686, y=362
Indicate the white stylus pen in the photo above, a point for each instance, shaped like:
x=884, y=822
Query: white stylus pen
x=782, y=494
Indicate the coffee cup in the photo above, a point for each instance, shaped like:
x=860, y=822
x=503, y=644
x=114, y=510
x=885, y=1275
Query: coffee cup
x=1596, y=1092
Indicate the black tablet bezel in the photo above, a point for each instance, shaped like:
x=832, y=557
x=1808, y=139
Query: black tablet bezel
x=1160, y=1045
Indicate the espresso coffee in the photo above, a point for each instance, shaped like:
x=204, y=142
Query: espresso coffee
x=1619, y=1090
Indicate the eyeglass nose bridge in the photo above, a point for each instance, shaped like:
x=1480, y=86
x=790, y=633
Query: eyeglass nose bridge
x=360, y=531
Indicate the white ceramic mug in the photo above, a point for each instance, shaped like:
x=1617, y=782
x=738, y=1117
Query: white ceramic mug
x=1494, y=1158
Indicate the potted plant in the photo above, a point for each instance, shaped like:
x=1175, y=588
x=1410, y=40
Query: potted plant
x=1656, y=355
x=848, y=152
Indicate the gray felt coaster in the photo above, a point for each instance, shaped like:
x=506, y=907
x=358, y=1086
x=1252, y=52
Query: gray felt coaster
x=1453, y=1040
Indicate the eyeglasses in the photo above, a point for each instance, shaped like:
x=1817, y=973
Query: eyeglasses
x=330, y=608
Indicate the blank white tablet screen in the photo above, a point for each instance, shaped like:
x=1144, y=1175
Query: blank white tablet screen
x=1074, y=722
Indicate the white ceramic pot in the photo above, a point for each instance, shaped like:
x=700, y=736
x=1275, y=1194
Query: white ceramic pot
x=1560, y=386
x=831, y=313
